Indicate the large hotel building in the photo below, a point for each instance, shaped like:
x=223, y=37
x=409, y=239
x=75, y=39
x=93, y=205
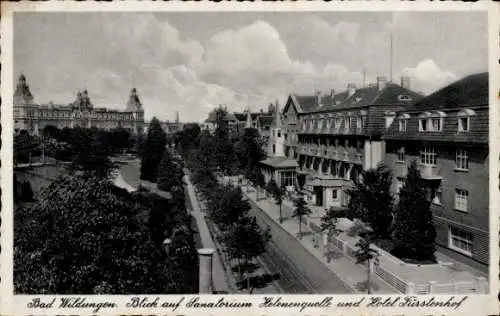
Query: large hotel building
x=335, y=137
x=33, y=117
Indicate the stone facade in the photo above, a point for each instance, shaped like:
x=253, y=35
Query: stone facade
x=33, y=117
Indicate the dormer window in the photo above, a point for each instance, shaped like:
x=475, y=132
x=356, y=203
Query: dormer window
x=403, y=122
x=423, y=122
x=404, y=98
x=338, y=121
x=437, y=121
x=464, y=120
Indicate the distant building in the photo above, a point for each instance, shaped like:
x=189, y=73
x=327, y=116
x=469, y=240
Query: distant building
x=447, y=133
x=33, y=117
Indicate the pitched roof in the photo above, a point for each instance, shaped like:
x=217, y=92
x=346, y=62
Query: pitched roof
x=133, y=102
x=265, y=120
x=242, y=116
x=280, y=162
x=469, y=91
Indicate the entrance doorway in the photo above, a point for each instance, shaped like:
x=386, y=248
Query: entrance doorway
x=318, y=192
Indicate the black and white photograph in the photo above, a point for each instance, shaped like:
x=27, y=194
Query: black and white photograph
x=246, y=152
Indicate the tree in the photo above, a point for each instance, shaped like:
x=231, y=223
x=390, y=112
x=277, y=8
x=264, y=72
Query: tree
x=86, y=236
x=169, y=172
x=364, y=254
x=119, y=139
x=300, y=211
x=372, y=200
x=24, y=147
x=152, y=152
x=278, y=194
x=414, y=233
x=329, y=220
x=90, y=151
x=259, y=181
x=245, y=241
x=229, y=206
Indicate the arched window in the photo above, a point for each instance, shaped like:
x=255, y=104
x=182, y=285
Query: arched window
x=274, y=148
x=437, y=121
x=464, y=117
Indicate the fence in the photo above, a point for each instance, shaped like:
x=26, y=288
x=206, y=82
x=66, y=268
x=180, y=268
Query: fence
x=479, y=286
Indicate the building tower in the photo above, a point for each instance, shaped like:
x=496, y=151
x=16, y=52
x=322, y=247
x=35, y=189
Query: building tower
x=276, y=147
x=248, y=123
x=134, y=105
x=24, y=108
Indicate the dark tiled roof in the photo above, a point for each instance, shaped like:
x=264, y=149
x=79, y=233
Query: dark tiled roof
x=467, y=92
x=243, y=116
x=306, y=103
x=265, y=120
x=470, y=92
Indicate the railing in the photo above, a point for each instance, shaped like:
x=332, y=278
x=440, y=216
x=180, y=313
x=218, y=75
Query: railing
x=421, y=288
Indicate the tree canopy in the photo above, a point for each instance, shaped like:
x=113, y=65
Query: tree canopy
x=86, y=236
x=152, y=151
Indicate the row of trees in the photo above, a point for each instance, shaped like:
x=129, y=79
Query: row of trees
x=210, y=156
x=68, y=143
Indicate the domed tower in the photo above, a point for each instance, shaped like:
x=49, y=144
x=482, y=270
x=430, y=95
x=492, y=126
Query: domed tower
x=22, y=95
x=24, y=108
x=134, y=105
x=86, y=104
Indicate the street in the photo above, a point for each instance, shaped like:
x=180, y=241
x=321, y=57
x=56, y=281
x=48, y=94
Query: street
x=299, y=271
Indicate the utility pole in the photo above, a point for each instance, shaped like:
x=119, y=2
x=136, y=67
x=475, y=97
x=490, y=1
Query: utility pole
x=364, y=77
x=391, y=51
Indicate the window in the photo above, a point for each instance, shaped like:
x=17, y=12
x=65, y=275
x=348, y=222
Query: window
x=337, y=122
x=288, y=178
x=359, y=123
x=346, y=122
x=279, y=133
x=461, y=199
x=462, y=160
x=463, y=124
x=422, y=127
x=436, y=124
x=335, y=194
x=460, y=240
x=464, y=119
x=320, y=123
x=402, y=125
x=274, y=148
x=401, y=154
x=428, y=156
x=437, y=196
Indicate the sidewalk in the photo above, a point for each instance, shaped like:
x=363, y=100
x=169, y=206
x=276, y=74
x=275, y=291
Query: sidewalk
x=353, y=275
x=219, y=275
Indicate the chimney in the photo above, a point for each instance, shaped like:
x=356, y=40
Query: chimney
x=351, y=88
x=206, y=278
x=381, y=82
x=318, y=98
x=332, y=93
x=405, y=82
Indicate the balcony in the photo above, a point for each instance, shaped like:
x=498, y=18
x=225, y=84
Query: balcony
x=430, y=172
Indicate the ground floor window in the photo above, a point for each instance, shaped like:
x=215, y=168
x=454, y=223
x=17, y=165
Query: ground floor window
x=460, y=240
x=288, y=178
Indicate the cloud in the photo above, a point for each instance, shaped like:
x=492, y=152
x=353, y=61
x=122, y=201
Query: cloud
x=427, y=74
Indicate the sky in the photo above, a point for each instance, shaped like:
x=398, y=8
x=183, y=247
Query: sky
x=192, y=62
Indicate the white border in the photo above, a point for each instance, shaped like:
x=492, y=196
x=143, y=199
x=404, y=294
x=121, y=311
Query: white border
x=474, y=305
